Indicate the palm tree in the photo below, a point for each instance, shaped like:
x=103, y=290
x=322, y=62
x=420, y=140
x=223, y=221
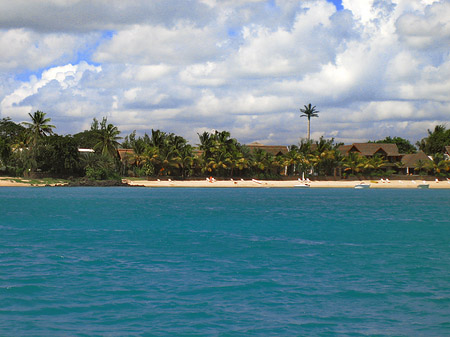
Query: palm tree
x=186, y=160
x=107, y=138
x=309, y=111
x=354, y=162
x=376, y=163
x=39, y=127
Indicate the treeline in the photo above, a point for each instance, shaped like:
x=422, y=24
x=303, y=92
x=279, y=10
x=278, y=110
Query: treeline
x=27, y=148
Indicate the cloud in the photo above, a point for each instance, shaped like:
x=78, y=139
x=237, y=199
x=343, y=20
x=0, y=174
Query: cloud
x=21, y=49
x=374, y=69
x=182, y=44
x=428, y=30
x=84, y=16
x=47, y=90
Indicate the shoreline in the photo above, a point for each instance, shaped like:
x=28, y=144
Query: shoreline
x=247, y=183
x=376, y=184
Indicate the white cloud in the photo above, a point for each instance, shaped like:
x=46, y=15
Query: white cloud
x=146, y=73
x=375, y=69
x=14, y=105
x=21, y=49
x=428, y=29
x=146, y=45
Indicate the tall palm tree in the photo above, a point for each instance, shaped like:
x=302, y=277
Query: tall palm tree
x=39, y=127
x=108, y=137
x=309, y=111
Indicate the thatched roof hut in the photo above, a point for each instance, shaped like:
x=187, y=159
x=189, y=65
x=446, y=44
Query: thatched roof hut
x=272, y=149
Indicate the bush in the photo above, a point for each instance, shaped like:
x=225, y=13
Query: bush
x=101, y=173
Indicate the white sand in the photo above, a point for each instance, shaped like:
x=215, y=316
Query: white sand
x=248, y=183
x=286, y=184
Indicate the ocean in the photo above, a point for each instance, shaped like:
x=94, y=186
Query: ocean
x=224, y=262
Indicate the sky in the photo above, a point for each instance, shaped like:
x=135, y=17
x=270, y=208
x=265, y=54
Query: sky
x=372, y=68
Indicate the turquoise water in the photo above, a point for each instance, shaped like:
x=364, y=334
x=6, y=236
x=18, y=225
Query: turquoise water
x=231, y=262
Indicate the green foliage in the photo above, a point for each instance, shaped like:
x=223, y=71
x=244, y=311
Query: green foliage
x=107, y=137
x=39, y=126
x=404, y=145
x=62, y=155
x=10, y=131
x=309, y=111
x=99, y=167
x=222, y=155
x=158, y=153
x=5, y=151
x=86, y=139
x=436, y=140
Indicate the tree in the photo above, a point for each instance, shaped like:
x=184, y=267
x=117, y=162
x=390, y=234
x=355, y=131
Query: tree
x=39, y=127
x=309, y=111
x=10, y=131
x=221, y=154
x=354, y=163
x=422, y=167
x=404, y=145
x=58, y=154
x=436, y=140
x=107, y=138
x=5, y=152
x=88, y=138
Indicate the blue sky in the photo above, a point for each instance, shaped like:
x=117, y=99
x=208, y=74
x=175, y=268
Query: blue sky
x=373, y=68
x=337, y=3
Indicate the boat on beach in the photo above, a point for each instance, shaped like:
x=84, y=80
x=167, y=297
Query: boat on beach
x=362, y=185
x=423, y=186
x=302, y=185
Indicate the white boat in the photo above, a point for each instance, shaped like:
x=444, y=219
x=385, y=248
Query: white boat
x=302, y=185
x=423, y=186
x=362, y=185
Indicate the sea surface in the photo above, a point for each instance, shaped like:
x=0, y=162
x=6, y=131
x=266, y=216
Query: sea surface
x=224, y=262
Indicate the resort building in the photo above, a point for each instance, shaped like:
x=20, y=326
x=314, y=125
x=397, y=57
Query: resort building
x=415, y=161
x=447, y=152
x=388, y=152
x=126, y=156
x=272, y=149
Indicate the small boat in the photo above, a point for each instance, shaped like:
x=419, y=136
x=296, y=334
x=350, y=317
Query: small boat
x=302, y=185
x=423, y=186
x=362, y=185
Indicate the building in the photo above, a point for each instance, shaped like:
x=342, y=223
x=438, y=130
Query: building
x=411, y=162
x=447, y=152
x=388, y=152
x=126, y=156
x=272, y=149
x=81, y=150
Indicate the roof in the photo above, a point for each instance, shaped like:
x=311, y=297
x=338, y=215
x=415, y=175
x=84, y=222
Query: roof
x=371, y=149
x=447, y=149
x=410, y=160
x=197, y=152
x=125, y=154
x=272, y=149
x=344, y=148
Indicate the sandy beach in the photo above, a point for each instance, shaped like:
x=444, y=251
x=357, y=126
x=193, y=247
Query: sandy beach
x=10, y=182
x=253, y=183
x=248, y=183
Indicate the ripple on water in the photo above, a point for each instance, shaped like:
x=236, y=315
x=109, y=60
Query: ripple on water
x=224, y=262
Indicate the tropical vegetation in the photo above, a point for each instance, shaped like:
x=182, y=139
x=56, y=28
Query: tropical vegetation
x=33, y=148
